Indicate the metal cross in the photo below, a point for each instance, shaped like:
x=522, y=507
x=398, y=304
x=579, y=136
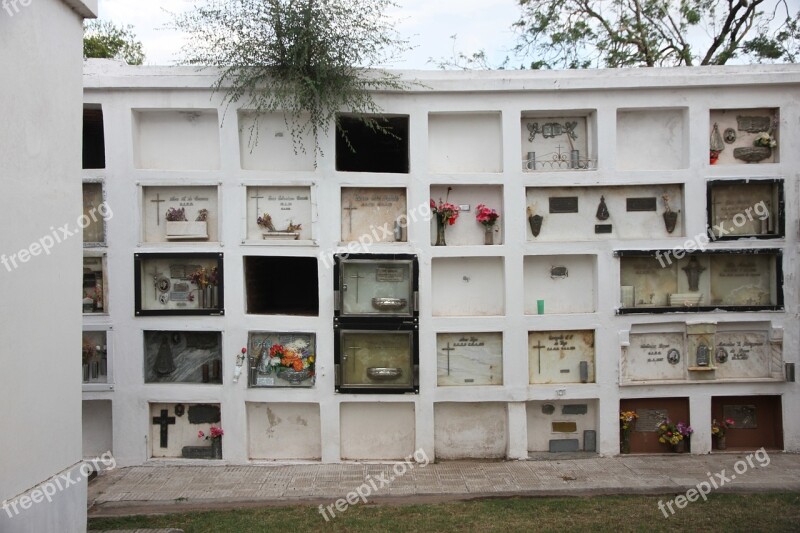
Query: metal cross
x=257, y=198
x=164, y=421
x=157, y=201
x=448, y=350
x=350, y=210
x=357, y=276
x=351, y=348
x=156, y=274
x=539, y=346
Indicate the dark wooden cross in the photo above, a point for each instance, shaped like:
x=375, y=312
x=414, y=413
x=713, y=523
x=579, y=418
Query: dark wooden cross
x=164, y=421
x=157, y=201
x=350, y=210
x=357, y=276
x=448, y=350
x=539, y=346
x=257, y=198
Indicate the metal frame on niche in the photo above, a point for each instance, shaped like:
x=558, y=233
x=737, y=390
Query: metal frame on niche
x=160, y=284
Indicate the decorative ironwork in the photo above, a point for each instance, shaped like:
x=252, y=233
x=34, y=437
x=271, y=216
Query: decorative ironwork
x=552, y=129
x=559, y=160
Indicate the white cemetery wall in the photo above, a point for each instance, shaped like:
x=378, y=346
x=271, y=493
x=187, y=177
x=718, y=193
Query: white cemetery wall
x=464, y=132
x=41, y=54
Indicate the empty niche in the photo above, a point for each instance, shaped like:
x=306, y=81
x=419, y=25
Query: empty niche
x=94, y=144
x=266, y=143
x=468, y=286
x=562, y=426
x=467, y=230
x=464, y=430
x=377, y=431
x=652, y=139
x=362, y=147
x=97, y=428
x=465, y=142
x=558, y=141
x=176, y=139
x=559, y=284
x=277, y=431
x=281, y=285
x=741, y=136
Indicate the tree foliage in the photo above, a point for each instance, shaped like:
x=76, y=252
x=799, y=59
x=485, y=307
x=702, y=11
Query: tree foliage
x=309, y=59
x=624, y=33
x=103, y=39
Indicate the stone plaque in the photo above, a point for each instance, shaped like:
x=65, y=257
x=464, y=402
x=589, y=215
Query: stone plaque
x=555, y=356
x=742, y=208
x=589, y=440
x=197, y=452
x=654, y=357
x=753, y=124
x=652, y=282
x=469, y=358
x=742, y=279
x=744, y=416
x=649, y=419
x=742, y=354
x=564, y=427
x=641, y=204
x=575, y=409
x=284, y=213
x=185, y=213
x=564, y=204
x=564, y=445
x=603, y=228
x=375, y=214
x=204, y=414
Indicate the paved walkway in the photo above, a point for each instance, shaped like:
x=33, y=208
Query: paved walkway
x=161, y=488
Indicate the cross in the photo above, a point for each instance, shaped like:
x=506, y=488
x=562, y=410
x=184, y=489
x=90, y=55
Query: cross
x=352, y=348
x=156, y=274
x=350, y=210
x=257, y=198
x=357, y=276
x=539, y=346
x=164, y=421
x=448, y=350
x=157, y=201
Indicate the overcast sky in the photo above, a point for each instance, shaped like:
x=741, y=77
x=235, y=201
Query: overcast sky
x=428, y=24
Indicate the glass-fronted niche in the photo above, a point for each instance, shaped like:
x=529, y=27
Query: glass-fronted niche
x=182, y=357
x=281, y=359
x=746, y=208
x=376, y=285
x=178, y=284
x=376, y=360
x=655, y=281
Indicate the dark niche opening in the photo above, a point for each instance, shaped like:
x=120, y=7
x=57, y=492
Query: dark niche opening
x=281, y=285
x=94, y=144
x=369, y=149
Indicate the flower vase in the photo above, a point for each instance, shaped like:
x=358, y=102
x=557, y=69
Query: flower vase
x=721, y=443
x=210, y=297
x=216, y=448
x=670, y=220
x=680, y=447
x=625, y=441
x=440, y=226
x=536, y=224
x=201, y=298
x=488, y=235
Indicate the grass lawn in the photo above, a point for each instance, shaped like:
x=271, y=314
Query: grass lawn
x=722, y=512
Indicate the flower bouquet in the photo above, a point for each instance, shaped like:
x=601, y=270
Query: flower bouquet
x=292, y=362
x=446, y=215
x=718, y=430
x=674, y=435
x=487, y=217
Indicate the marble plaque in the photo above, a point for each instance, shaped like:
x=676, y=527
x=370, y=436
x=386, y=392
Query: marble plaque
x=734, y=208
x=469, y=358
x=555, y=356
x=654, y=357
x=204, y=414
x=263, y=374
x=377, y=359
x=374, y=214
x=649, y=419
x=742, y=279
x=652, y=283
x=182, y=357
x=94, y=232
x=199, y=209
x=285, y=213
x=744, y=416
x=742, y=354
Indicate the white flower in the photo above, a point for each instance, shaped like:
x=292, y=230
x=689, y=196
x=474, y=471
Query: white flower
x=274, y=361
x=298, y=345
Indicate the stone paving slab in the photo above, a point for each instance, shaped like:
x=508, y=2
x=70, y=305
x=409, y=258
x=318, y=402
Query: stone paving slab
x=164, y=485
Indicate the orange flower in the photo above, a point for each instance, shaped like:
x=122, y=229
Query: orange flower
x=297, y=364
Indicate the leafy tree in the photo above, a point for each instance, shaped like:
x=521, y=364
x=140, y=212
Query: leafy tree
x=103, y=39
x=624, y=33
x=308, y=59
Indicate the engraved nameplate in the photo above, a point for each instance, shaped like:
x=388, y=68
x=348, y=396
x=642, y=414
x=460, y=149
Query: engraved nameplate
x=564, y=204
x=389, y=274
x=603, y=228
x=649, y=419
x=641, y=204
x=753, y=124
